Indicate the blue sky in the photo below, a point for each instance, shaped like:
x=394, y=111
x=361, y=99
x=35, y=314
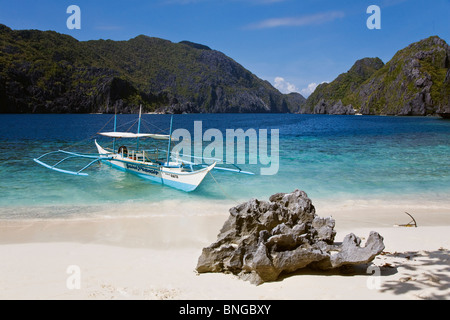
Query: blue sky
x=293, y=44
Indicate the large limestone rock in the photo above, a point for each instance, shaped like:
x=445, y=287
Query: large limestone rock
x=262, y=239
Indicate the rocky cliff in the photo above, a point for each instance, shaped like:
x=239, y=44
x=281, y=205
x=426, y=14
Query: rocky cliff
x=333, y=97
x=50, y=72
x=412, y=83
x=415, y=81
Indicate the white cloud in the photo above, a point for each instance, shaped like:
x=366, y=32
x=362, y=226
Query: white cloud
x=284, y=86
x=306, y=92
x=314, y=19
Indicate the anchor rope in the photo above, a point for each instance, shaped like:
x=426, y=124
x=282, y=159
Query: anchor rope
x=92, y=136
x=135, y=121
x=79, y=142
x=221, y=189
x=151, y=124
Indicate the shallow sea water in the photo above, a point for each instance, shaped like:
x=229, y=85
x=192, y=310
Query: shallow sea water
x=332, y=158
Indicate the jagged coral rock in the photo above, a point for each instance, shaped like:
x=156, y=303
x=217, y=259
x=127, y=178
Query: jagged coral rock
x=262, y=239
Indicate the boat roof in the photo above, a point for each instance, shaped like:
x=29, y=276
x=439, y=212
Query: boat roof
x=135, y=135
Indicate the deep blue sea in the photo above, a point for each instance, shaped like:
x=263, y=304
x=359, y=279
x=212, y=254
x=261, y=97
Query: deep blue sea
x=330, y=157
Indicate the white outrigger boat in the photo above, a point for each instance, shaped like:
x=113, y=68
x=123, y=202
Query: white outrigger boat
x=153, y=164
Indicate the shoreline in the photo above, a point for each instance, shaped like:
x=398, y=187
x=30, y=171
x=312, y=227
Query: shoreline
x=435, y=115
x=350, y=213
x=154, y=257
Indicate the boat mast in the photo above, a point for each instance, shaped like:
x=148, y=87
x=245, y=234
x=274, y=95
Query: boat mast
x=115, y=128
x=170, y=140
x=139, y=127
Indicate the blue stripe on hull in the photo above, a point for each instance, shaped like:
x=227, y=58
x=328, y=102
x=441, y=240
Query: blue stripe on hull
x=174, y=184
x=179, y=185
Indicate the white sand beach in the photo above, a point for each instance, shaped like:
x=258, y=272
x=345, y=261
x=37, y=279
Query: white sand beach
x=153, y=255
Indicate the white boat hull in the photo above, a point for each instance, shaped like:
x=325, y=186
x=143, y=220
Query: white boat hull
x=169, y=176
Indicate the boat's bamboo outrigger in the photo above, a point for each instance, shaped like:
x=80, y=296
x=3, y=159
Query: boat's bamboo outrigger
x=72, y=155
x=155, y=165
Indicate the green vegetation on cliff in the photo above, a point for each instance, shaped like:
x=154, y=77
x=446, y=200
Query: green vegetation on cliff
x=411, y=83
x=342, y=88
x=51, y=72
x=414, y=82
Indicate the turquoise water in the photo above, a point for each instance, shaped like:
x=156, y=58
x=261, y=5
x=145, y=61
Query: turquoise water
x=330, y=157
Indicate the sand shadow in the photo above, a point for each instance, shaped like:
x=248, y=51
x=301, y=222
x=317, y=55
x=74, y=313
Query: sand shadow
x=425, y=274
x=343, y=271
